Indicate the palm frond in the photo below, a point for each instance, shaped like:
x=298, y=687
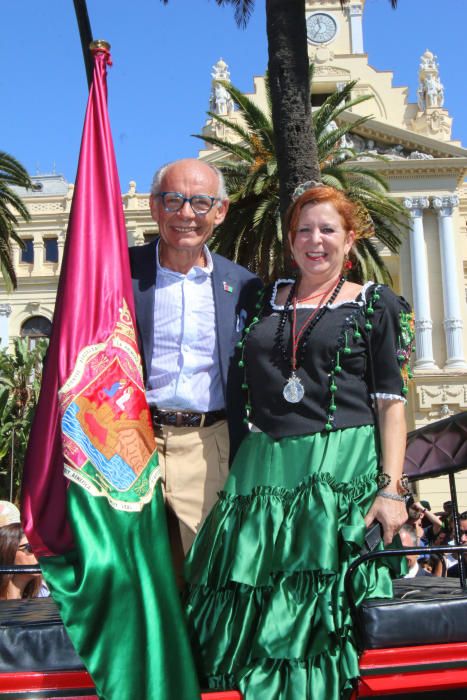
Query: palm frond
x=251, y=233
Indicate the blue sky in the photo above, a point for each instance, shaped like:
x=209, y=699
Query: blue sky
x=160, y=82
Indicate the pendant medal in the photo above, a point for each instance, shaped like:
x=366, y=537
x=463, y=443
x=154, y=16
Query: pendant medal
x=293, y=391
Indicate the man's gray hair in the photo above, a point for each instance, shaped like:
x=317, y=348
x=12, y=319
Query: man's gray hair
x=411, y=533
x=159, y=176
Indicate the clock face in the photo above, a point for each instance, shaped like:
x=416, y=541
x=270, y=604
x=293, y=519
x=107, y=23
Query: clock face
x=321, y=28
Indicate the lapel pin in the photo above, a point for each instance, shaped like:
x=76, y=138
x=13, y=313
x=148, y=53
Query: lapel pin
x=227, y=288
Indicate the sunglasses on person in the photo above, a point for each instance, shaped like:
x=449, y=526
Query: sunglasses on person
x=201, y=204
x=26, y=547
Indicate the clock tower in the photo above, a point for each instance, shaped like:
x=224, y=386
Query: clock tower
x=332, y=30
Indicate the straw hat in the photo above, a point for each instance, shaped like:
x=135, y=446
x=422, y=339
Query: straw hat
x=9, y=513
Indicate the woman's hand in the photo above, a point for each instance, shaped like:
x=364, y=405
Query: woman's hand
x=391, y=514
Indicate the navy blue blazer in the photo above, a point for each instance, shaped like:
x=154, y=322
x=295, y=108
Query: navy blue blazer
x=231, y=307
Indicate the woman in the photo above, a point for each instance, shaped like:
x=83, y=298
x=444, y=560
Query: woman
x=266, y=607
x=15, y=549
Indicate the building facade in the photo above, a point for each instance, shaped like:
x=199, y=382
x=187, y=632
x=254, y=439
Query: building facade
x=425, y=170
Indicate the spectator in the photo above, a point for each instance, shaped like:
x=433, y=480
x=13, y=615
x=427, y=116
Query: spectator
x=15, y=549
x=408, y=535
x=430, y=522
x=454, y=569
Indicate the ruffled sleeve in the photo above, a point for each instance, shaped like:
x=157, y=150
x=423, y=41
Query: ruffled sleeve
x=390, y=326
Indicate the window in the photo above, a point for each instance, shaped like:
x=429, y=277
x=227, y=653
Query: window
x=34, y=328
x=148, y=237
x=50, y=250
x=317, y=99
x=27, y=253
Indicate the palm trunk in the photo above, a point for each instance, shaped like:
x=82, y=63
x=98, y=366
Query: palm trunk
x=288, y=66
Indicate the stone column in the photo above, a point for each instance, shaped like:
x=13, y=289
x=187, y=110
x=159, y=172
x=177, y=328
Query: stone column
x=452, y=311
x=356, y=28
x=5, y=311
x=38, y=246
x=60, y=246
x=420, y=288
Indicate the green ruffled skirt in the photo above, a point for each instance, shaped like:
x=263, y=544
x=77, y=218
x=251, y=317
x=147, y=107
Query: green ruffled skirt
x=266, y=610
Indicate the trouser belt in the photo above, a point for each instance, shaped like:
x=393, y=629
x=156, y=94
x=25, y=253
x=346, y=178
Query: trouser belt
x=185, y=419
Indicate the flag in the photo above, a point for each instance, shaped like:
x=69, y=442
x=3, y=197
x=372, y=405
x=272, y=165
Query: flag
x=92, y=502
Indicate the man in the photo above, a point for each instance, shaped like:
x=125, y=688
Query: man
x=408, y=536
x=191, y=308
x=454, y=569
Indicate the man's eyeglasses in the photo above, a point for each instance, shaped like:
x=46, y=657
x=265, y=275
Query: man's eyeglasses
x=200, y=203
x=26, y=547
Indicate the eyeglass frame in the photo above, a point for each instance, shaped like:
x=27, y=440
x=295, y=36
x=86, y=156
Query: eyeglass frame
x=25, y=547
x=188, y=199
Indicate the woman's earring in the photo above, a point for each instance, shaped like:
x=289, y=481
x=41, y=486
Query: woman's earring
x=348, y=264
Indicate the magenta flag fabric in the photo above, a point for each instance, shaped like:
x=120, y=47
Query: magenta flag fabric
x=94, y=280
x=92, y=504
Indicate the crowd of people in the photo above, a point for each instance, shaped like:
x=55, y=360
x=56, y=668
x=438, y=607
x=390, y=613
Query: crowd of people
x=425, y=528
x=279, y=419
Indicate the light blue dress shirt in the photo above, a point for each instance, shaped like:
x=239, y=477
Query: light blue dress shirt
x=184, y=369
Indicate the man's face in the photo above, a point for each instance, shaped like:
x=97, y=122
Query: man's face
x=463, y=531
x=184, y=230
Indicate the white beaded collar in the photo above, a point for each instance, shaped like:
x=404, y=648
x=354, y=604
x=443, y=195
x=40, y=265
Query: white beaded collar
x=360, y=300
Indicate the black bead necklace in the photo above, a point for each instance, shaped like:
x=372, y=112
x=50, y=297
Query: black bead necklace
x=293, y=391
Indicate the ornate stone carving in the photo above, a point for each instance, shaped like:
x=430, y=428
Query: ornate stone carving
x=366, y=148
x=431, y=396
x=430, y=89
x=453, y=324
x=444, y=205
x=355, y=9
x=415, y=205
x=431, y=118
x=5, y=310
x=417, y=155
x=220, y=101
x=330, y=70
x=424, y=324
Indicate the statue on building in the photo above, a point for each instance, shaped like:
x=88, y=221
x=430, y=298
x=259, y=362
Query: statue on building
x=220, y=101
x=431, y=119
x=430, y=91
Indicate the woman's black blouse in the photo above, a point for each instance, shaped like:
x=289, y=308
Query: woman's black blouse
x=338, y=378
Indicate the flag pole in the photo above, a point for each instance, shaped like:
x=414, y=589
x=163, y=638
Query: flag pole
x=85, y=34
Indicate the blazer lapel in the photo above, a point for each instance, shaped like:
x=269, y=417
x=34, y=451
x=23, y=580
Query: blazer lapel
x=225, y=293
x=144, y=302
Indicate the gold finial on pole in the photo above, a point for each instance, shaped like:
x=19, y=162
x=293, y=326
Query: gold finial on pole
x=99, y=44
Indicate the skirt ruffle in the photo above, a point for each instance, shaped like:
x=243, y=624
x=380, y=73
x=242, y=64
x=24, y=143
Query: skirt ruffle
x=266, y=610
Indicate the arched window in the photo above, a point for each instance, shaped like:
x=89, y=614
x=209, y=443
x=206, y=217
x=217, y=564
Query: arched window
x=34, y=328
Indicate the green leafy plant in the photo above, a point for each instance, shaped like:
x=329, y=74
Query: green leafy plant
x=20, y=379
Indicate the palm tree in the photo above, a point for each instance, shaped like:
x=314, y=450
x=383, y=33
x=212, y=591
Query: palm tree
x=11, y=208
x=252, y=233
x=296, y=149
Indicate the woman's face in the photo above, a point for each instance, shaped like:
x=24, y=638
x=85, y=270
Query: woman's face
x=321, y=241
x=23, y=556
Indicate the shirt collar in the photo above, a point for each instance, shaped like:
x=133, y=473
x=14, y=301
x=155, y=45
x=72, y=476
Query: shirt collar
x=196, y=270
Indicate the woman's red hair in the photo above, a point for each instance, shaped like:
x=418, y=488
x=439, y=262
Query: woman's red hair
x=317, y=195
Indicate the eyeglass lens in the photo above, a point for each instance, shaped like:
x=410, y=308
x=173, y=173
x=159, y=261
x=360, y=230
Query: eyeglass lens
x=26, y=547
x=200, y=203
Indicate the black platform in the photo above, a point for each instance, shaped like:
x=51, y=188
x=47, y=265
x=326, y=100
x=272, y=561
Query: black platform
x=424, y=610
x=32, y=638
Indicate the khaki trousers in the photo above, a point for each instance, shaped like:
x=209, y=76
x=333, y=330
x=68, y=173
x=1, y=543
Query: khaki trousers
x=194, y=466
